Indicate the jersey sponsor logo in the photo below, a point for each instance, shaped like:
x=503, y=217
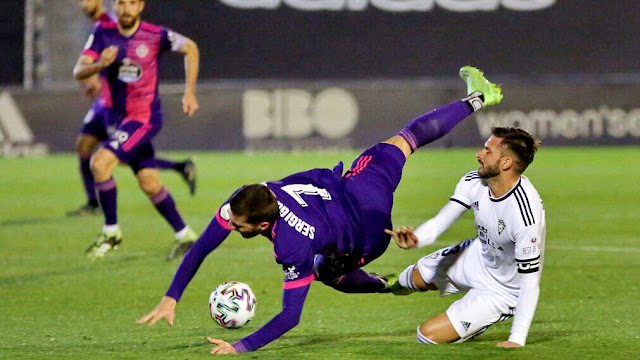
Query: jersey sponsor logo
x=142, y=51
x=295, y=222
x=290, y=273
x=129, y=71
x=501, y=226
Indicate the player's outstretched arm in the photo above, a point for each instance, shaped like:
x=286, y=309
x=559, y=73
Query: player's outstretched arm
x=191, y=69
x=165, y=310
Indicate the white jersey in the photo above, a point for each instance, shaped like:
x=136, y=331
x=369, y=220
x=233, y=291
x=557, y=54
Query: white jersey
x=511, y=228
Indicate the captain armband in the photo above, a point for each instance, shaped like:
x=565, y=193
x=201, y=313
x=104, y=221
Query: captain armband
x=529, y=265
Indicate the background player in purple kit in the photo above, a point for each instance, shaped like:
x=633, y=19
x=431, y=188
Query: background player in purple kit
x=324, y=225
x=126, y=54
x=97, y=126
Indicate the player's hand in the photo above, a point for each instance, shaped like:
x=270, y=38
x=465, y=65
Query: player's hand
x=92, y=89
x=222, y=347
x=108, y=56
x=189, y=103
x=165, y=310
x=508, y=345
x=404, y=237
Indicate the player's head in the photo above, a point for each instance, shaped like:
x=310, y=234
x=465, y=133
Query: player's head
x=128, y=12
x=508, y=149
x=91, y=8
x=253, y=209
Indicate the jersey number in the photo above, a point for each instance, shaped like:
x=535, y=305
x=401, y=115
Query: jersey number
x=295, y=190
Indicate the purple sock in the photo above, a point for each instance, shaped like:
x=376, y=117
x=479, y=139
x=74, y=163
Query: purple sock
x=165, y=164
x=167, y=208
x=436, y=123
x=108, y=195
x=87, y=180
x=357, y=281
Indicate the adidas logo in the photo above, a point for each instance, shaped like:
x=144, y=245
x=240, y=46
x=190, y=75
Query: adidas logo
x=16, y=138
x=465, y=325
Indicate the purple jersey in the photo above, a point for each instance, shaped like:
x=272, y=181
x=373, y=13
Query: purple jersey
x=321, y=213
x=133, y=77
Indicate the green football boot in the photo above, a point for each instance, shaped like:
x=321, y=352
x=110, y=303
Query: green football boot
x=181, y=246
x=105, y=243
x=393, y=285
x=475, y=80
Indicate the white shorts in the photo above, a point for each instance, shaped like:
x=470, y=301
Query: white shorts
x=459, y=269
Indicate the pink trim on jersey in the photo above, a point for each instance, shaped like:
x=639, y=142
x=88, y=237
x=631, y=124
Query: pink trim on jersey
x=288, y=285
x=360, y=165
x=105, y=94
x=90, y=53
x=224, y=223
x=135, y=137
x=142, y=93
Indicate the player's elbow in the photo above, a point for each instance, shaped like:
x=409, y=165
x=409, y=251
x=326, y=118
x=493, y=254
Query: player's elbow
x=191, y=48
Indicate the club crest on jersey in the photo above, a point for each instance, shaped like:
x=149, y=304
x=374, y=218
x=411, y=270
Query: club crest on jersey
x=142, y=51
x=501, y=226
x=129, y=71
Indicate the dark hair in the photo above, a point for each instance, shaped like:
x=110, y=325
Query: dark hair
x=520, y=143
x=256, y=202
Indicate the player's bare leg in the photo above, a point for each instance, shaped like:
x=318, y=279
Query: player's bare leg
x=149, y=182
x=85, y=146
x=437, y=330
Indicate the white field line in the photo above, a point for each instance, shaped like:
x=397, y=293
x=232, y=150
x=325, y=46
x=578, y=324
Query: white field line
x=595, y=248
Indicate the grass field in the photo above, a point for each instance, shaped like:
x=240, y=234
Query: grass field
x=56, y=304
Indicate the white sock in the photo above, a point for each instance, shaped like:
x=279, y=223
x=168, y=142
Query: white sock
x=182, y=233
x=108, y=229
x=406, y=278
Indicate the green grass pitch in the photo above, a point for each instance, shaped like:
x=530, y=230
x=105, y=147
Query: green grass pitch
x=56, y=304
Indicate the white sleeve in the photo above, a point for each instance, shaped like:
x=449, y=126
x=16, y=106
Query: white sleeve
x=428, y=232
x=526, y=307
x=529, y=253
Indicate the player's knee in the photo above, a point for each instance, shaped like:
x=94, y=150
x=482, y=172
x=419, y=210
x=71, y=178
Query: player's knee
x=149, y=185
x=425, y=335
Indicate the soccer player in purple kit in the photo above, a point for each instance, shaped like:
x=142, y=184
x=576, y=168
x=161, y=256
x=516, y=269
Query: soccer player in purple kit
x=97, y=126
x=324, y=225
x=126, y=54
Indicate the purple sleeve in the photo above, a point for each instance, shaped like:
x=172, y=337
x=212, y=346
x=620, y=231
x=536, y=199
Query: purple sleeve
x=94, y=44
x=208, y=241
x=288, y=318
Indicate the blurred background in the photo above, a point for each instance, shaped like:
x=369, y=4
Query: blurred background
x=340, y=74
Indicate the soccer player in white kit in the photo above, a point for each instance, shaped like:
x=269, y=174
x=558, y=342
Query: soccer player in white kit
x=500, y=268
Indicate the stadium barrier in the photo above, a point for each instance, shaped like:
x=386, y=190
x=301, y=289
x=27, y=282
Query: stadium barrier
x=303, y=116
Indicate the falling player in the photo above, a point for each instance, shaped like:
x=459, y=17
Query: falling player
x=126, y=54
x=323, y=225
x=500, y=268
x=97, y=126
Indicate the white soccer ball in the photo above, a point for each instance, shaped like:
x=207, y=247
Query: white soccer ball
x=232, y=304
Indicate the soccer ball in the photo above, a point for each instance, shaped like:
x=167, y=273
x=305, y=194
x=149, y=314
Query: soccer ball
x=232, y=304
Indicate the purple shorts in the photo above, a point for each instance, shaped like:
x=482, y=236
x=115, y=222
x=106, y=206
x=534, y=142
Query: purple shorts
x=369, y=185
x=98, y=122
x=131, y=143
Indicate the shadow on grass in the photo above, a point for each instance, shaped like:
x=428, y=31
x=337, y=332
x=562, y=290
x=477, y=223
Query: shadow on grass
x=32, y=221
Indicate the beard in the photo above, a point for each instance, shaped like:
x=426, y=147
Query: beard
x=249, y=234
x=487, y=171
x=127, y=23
